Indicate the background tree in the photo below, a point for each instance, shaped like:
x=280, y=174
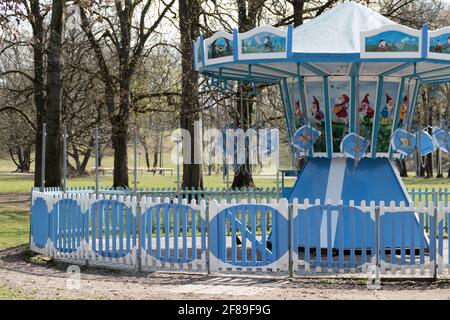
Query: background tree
x=118, y=37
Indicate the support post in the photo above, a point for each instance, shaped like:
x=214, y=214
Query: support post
x=208, y=252
x=96, y=162
x=65, y=159
x=178, y=141
x=434, y=242
x=44, y=138
x=291, y=240
x=135, y=163
x=138, y=234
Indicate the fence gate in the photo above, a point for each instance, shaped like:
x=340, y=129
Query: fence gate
x=249, y=237
x=172, y=235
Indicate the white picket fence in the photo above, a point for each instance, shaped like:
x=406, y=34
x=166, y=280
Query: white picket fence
x=271, y=237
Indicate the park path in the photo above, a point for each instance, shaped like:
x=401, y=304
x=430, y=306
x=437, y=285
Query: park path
x=49, y=280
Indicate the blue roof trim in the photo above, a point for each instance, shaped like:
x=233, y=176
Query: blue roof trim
x=289, y=40
x=235, y=45
x=425, y=40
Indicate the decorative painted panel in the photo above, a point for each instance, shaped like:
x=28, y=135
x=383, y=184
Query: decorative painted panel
x=315, y=103
x=297, y=108
x=221, y=47
x=340, y=93
x=390, y=42
x=439, y=44
x=366, y=109
x=264, y=42
x=387, y=113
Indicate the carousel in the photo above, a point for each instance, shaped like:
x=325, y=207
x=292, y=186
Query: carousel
x=349, y=83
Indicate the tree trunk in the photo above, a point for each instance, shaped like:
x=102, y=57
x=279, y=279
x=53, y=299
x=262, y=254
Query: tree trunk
x=243, y=177
x=119, y=140
x=401, y=165
x=298, y=6
x=247, y=19
x=38, y=85
x=87, y=156
x=189, y=11
x=54, y=157
x=429, y=163
x=155, y=158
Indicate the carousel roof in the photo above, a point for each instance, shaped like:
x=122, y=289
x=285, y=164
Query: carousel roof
x=348, y=40
x=337, y=30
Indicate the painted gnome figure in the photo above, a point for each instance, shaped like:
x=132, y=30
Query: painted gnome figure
x=386, y=111
x=403, y=110
x=340, y=108
x=316, y=114
x=299, y=121
x=367, y=112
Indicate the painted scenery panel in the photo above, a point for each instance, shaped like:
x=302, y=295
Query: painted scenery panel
x=440, y=44
x=315, y=103
x=392, y=41
x=221, y=47
x=387, y=114
x=297, y=110
x=340, y=92
x=366, y=109
x=264, y=42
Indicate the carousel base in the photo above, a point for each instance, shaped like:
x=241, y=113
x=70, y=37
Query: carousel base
x=337, y=179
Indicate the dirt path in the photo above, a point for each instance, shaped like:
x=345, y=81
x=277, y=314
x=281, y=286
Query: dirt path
x=15, y=200
x=20, y=278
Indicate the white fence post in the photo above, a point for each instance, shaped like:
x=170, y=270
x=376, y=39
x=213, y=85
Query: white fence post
x=291, y=240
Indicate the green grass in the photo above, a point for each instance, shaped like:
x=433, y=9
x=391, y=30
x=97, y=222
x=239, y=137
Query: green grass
x=24, y=183
x=14, y=228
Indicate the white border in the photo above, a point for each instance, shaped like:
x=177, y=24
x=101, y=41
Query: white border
x=219, y=34
x=436, y=33
x=409, y=31
x=251, y=56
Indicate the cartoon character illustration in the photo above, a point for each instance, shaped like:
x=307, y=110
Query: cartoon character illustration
x=298, y=114
x=268, y=47
x=340, y=108
x=383, y=46
x=402, y=113
x=438, y=48
x=366, y=111
x=316, y=114
x=219, y=48
x=386, y=111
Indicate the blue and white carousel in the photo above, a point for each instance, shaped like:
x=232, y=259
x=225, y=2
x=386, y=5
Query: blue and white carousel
x=349, y=81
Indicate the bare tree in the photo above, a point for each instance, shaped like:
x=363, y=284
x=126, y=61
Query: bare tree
x=119, y=33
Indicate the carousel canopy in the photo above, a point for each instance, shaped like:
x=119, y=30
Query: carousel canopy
x=347, y=40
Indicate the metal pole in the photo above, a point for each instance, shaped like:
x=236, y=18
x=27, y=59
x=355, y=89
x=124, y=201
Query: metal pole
x=377, y=246
x=135, y=163
x=96, y=162
x=178, y=166
x=228, y=177
x=44, y=134
x=65, y=158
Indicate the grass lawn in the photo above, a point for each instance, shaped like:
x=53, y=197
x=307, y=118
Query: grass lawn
x=14, y=228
